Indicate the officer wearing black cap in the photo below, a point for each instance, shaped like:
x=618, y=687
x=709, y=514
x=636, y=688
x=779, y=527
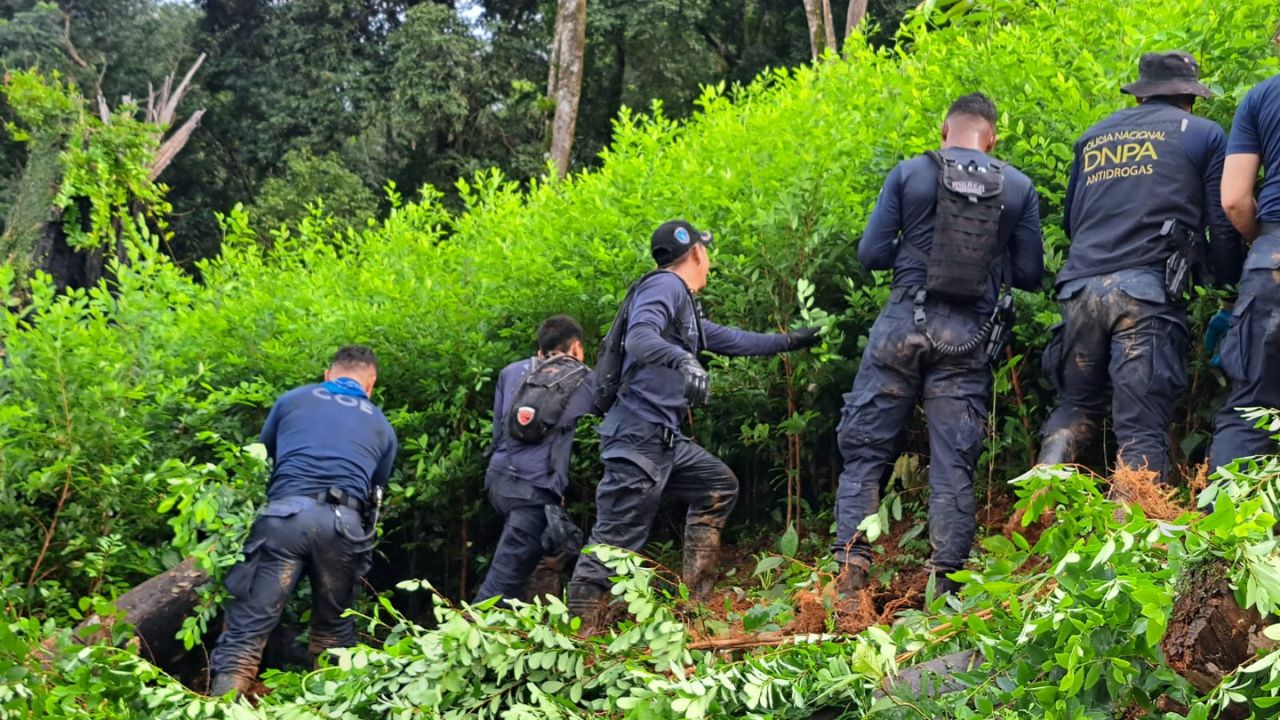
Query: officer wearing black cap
x=1143, y=188
x=641, y=445
x=1250, y=350
x=930, y=343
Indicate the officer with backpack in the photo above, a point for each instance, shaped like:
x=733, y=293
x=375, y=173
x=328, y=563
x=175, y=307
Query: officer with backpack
x=536, y=407
x=958, y=228
x=1250, y=350
x=331, y=451
x=648, y=376
x=1143, y=187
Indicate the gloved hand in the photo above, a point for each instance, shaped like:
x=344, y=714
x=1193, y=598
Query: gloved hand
x=803, y=338
x=1215, y=329
x=697, y=386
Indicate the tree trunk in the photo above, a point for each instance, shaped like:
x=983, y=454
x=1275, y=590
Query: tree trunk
x=1209, y=634
x=822, y=31
x=828, y=25
x=857, y=11
x=564, y=82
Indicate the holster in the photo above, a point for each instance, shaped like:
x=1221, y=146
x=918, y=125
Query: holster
x=1001, y=328
x=1185, y=263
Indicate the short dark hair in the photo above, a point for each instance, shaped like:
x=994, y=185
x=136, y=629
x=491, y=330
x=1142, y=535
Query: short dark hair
x=558, y=333
x=975, y=104
x=1179, y=100
x=354, y=356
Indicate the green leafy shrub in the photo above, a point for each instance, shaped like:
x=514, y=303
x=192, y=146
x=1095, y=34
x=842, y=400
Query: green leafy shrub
x=107, y=395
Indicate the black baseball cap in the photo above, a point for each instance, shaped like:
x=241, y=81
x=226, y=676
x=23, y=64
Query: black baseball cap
x=1167, y=73
x=673, y=239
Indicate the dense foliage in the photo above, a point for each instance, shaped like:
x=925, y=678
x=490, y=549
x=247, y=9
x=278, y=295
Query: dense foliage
x=412, y=91
x=126, y=409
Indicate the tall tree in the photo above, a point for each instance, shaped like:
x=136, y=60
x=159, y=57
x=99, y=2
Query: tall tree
x=822, y=32
x=564, y=83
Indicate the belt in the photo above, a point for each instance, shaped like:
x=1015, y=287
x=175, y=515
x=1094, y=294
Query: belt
x=325, y=498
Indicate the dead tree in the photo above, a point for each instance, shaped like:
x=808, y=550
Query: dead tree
x=34, y=235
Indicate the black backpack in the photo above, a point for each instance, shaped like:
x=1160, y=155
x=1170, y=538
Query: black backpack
x=966, y=229
x=540, y=400
x=613, y=347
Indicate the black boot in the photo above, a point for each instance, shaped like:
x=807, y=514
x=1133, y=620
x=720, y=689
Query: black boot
x=943, y=585
x=225, y=682
x=586, y=602
x=701, y=552
x=854, y=576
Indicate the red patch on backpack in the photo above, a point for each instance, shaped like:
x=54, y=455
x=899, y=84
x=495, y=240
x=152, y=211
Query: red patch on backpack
x=524, y=415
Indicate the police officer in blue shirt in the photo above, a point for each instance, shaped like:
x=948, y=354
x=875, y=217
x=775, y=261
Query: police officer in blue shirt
x=1250, y=350
x=332, y=450
x=923, y=344
x=524, y=478
x=1143, y=187
x=643, y=449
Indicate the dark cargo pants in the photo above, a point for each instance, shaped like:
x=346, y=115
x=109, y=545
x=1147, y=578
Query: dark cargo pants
x=898, y=367
x=291, y=536
x=1251, y=355
x=641, y=461
x=524, y=520
x=1120, y=346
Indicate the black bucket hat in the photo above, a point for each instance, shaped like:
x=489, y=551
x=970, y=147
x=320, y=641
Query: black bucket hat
x=673, y=239
x=1167, y=73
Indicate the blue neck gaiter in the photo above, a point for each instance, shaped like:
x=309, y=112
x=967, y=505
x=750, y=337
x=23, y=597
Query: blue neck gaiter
x=345, y=386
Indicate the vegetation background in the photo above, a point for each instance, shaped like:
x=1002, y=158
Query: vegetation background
x=129, y=408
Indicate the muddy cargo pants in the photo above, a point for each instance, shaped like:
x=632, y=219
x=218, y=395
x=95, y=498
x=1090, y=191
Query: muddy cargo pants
x=1251, y=355
x=524, y=520
x=642, y=460
x=292, y=536
x=899, y=366
x=1120, y=346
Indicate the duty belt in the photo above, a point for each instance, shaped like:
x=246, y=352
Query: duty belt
x=329, y=498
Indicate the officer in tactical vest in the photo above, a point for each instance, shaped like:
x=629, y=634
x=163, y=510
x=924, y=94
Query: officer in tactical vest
x=526, y=477
x=332, y=451
x=957, y=227
x=1250, y=350
x=643, y=449
x=1143, y=187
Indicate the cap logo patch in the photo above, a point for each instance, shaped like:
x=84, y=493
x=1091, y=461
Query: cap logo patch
x=682, y=236
x=524, y=415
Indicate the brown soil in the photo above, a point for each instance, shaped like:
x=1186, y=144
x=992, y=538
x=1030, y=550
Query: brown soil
x=857, y=613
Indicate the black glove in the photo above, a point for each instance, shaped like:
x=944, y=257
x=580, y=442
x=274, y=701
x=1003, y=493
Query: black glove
x=697, y=386
x=803, y=338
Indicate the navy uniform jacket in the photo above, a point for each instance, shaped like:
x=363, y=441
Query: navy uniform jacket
x=904, y=214
x=544, y=464
x=661, y=331
x=1133, y=171
x=1256, y=131
x=319, y=439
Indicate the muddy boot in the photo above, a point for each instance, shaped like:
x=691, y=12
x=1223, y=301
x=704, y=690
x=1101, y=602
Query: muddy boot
x=943, y=585
x=586, y=602
x=701, y=552
x=223, y=683
x=854, y=575
x=1057, y=448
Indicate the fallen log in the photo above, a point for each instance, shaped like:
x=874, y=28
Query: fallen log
x=156, y=609
x=1209, y=634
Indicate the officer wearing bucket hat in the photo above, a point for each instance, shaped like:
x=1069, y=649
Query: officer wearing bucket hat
x=1250, y=349
x=641, y=444
x=1143, y=188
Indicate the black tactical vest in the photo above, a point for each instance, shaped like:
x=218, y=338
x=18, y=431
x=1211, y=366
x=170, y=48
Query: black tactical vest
x=966, y=229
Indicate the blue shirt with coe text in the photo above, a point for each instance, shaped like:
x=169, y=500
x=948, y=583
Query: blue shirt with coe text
x=320, y=439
